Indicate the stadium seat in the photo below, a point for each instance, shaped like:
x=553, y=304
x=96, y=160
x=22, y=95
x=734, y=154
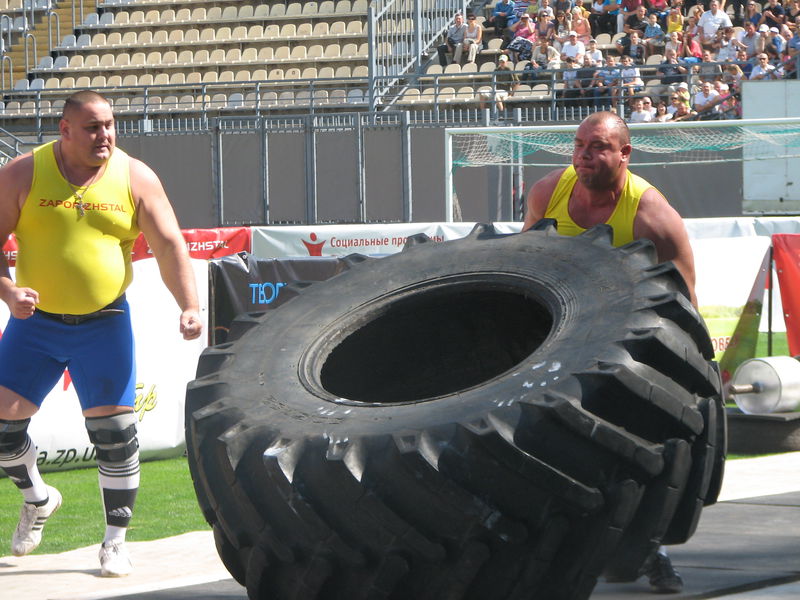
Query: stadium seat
x=214, y=14
x=272, y=31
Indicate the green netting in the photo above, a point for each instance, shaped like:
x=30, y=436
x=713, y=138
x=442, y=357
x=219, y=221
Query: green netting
x=729, y=142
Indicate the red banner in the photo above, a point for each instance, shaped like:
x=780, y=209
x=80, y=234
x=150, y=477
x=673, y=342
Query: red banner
x=786, y=254
x=205, y=243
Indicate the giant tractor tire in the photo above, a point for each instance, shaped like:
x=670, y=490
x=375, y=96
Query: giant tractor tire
x=501, y=416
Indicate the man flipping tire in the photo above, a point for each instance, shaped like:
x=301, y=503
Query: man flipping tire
x=598, y=188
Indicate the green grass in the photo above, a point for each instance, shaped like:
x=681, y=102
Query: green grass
x=166, y=506
x=780, y=345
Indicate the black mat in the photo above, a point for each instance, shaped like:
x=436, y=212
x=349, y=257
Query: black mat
x=739, y=545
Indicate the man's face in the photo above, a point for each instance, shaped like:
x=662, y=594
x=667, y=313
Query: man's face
x=741, y=55
x=641, y=11
x=714, y=6
x=89, y=132
x=598, y=155
x=611, y=61
x=706, y=56
x=459, y=20
x=627, y=61
x=670, y=54
x=706, y=88
x=634, y=38
x=637, y=105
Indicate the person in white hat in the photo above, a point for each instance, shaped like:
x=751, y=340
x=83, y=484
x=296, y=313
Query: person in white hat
x=505, y=83
x=573, y=48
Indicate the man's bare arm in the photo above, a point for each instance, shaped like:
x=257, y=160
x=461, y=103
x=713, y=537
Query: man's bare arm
x=15, y=183
x=539, y=197
x=659, y=222
x=157, y=222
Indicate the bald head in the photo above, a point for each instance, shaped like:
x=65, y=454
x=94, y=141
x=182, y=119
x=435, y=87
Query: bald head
x=79, y=99
x=614, y=123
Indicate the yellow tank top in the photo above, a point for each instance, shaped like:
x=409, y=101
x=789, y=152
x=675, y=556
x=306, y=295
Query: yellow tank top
x=621, y=219
x=78, y=264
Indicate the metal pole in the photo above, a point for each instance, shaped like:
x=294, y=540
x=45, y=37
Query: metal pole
x=265, y=170
x=311, y=171
x=769, y=303
x=219, y=172
x=373, y=49
x=408, y=195
x=361, y=170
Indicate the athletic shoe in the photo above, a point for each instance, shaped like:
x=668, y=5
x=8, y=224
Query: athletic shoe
x=115, y=560
x=32, y=518
x=664, y=579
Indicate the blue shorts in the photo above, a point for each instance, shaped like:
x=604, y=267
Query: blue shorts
x=99, y=354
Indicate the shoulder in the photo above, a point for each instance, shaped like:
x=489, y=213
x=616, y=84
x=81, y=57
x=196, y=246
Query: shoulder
x=543, y=189
x=17, y=173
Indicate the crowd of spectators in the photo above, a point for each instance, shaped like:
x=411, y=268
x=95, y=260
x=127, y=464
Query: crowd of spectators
x=669, y=59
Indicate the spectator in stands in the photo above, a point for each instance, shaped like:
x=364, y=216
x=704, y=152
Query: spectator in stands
x=604, y=83
x=505, y=83
x=775, y=45
x=763, y=70
x=793, y=15
x=630, y=78
x=585, y=76
x=545, y=28
x=661, y=115
x=684, y=93
x=752, y=14
x=683, y=113
x=609, y=19
x=773, y=15
x=631, y=45
x=762, y=40
x=710, y=21
x=594, y=55
x=573, y=48
x=638, y=114
x=599, y=18
x=674, y=103
x=743, y=62
x=659, y=8
x=563, y=25
x=572, y=85
x=627, y=9
x=473, y=38
x=705, y=100
x=674, y=20
x=692, y=51
x=579, y=4
x=524, y=36
x=580, y=25
x=708, y=70
x=647, y=104
x=502, y=16
x=749, y=39
x=727, y=45
x=455, y=40
x=654, y=39
x=671, y=71
x=793, y=45
x=690, y=26
x=546, y=56
x=544, y=6
x=564, y=6
x=733, y=75
x=675, y=44
x=637, y=21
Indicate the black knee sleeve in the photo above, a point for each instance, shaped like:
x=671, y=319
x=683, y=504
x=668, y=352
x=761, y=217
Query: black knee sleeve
x=13, y=435
x=114, y=437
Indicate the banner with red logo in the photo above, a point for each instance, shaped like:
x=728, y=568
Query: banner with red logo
x=204, y=243
x=165, y=363
x=786, y=254
x=341, y=240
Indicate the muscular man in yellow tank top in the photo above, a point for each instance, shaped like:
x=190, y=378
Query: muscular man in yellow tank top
x=76, y=205
x=598, y=188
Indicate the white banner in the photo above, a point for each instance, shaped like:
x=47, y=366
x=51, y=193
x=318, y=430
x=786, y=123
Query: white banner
x=165, y=364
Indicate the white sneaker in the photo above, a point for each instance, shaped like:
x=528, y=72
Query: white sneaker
x=28, y=534
x=114, y=560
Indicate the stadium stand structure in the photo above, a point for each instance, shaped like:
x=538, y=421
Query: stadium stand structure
x=158, y=58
